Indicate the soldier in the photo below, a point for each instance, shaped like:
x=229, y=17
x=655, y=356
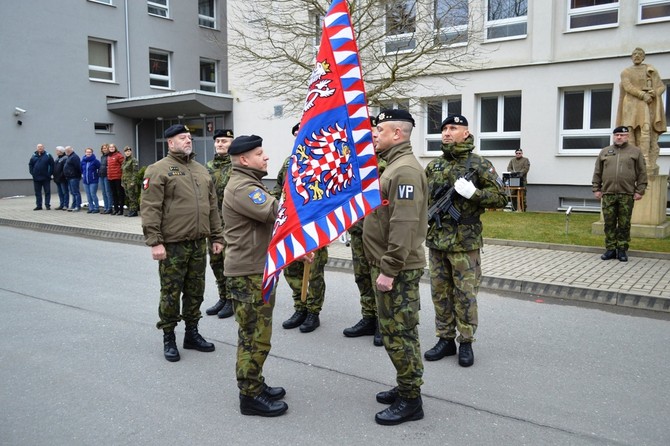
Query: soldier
x=220, y=168
x=179, y=213
x=368, y=325
x=454, y=257
x=249, y=212
x=306, y=315
x=393, y=236
x=520, y=164
x=619, y=179
x=130, y=169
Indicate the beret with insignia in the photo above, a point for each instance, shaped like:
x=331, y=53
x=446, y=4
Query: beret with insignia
x=176, y=130
x=244, y=143
x=395, y=115
x=223, y=133
x=621, y=129
x=455, y=120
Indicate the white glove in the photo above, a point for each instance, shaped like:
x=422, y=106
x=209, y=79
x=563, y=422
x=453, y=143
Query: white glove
x=465, y=188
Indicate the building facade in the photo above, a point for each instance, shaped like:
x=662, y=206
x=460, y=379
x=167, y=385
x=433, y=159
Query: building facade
x=87, y=72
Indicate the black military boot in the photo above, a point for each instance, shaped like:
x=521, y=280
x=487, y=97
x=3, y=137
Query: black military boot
x=402, y=409
x=227, y=310
x=273, y=393
x=466, y=356
x=214, y=309
x=261, y=405
x=311, y=323
x=388, y=396
x=170, y=346
x=621, y=255
x=296, y=320
x=193, y=340
x=609, y=255
x=444, y=347
x=364, y=327
x=377, y=340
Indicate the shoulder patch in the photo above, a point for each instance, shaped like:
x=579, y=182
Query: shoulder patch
x=405, y=192
x=145, y=184
x=258, y=196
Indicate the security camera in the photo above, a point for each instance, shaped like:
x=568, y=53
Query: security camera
x=18, y=111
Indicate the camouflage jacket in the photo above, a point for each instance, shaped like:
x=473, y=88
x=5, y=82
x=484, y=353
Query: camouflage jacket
x=220, y=169
x=465, y=235
x=129, y=170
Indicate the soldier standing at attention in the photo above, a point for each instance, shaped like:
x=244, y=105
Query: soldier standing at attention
x=306, y=314
x=179, y=213
x=520, y=164
x=619, y=179
x=130, y=169
x=454, y=257
x=219, y=168
x=393, y=236
x=368, y=325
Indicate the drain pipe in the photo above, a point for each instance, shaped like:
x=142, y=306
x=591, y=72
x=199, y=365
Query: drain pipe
x=127, y=49
x=137, y=139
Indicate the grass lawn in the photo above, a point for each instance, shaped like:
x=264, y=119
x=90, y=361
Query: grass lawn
x=550, y=227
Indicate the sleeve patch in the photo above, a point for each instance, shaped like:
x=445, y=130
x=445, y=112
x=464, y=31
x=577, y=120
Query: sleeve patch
x=258, y=196
x=145, y=184
x=405, y=192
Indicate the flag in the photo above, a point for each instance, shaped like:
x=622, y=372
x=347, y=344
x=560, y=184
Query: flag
x=332, y=179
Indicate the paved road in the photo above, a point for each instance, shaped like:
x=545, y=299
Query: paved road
x=81, y=364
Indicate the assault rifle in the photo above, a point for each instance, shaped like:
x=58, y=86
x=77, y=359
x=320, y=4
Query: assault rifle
x=444, y=202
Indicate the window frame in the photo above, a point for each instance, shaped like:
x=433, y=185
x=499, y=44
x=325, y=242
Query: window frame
x=435, y=139
x=161, y=77
x=404, y=37
x=455, y=35
x=100, y=68
x=500, y=134
x=646, y=3
x=664, y=138
x=203, y=83
x=159, y=7
x=499, y=23
x=585, y=11
x=585, y=131
x=210, y=19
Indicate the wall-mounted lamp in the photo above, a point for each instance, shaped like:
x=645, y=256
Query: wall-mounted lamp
x=18, y=111
x=180, y=116
x=159, y=118
x=203, y=115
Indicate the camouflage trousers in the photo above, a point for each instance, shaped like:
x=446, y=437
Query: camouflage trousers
x=254, y=319
x=398, y=312
x=216, y=263
x=617, y=212
x=132, y=191
x=182, y=275
x=316, y=291
x=362, y=275
x=454, y=284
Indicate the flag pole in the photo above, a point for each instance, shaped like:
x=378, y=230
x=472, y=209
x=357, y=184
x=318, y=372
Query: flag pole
x=305, y=282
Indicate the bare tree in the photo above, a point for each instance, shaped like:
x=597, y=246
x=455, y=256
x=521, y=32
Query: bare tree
x=402, y=44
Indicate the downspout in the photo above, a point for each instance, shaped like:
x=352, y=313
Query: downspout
x=127, y=49
x=137, y=139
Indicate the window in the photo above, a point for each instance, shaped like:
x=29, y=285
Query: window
x=100, y=60
x=103, y=127
x=106, y=2
x=159, y=69
x=586, y=118
x=654, y=10
x=400, y=25
x=506, y=19
x=158, y=7
x=664, y=138
x=208, y=75
x=500, y=122
x=436, y=112
x=451, y=21
x=593, y=14
x=206, y=13
x=278, y=111
x=316, y=19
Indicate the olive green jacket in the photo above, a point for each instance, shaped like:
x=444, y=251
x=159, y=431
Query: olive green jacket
x=620, y=170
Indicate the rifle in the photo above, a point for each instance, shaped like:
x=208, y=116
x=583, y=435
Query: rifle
x=445, y=203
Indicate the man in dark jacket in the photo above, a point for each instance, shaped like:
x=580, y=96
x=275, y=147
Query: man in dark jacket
x=41, y=166
x=59, y=178
x=72, y=171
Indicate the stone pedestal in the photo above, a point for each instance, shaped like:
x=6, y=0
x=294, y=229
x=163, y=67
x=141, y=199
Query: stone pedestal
x=649, y=219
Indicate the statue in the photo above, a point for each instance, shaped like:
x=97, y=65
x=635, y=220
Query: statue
x=641, y=107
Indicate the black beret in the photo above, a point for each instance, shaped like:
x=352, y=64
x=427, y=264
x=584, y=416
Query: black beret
x=373, y=121
x=176, y=130
x=295, y=128
x=244, y=143
x=621, y=129
x=395, y=115
x=226, y=133
x=455, y=120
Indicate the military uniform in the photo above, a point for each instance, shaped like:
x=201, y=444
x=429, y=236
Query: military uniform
x=521, y=165
x=454, y=257
x=130, y=169
x=393, y=236
x=620, y=172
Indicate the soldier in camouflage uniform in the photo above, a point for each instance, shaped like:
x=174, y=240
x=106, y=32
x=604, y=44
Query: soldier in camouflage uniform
x=179, y=214
x=619, y=179
x=249, y=212
x=368, y=325
x=219, y=168
x=306, y=314
x=130, y=169
x=393, y=236
x=454, y=257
